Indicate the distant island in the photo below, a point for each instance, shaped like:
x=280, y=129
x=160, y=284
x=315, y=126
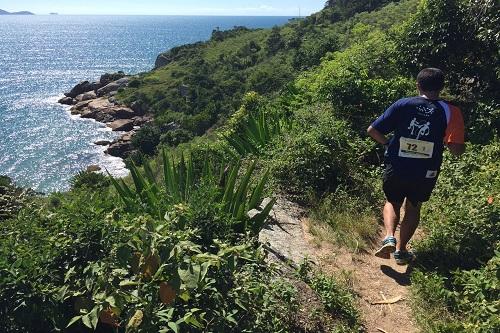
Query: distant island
x=4, y=12
x=53, y=14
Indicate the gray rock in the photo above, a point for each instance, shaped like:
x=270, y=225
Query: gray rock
x=110, y=77
x=87, y=114
x=120, y=149
x=113, y=86
x=122, y=112
x=93, y=168
x=139, y=121
x=139, y=107
x=121, y=125
x=66, y=101
x=80, y=88
x=163, y=59
x=107, y=89
x=102, y=143
x=89, y=95
x=81, y=105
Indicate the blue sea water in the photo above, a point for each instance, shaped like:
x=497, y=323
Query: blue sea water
x=41, y=145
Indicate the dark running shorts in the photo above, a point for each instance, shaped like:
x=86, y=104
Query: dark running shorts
x=397, y=188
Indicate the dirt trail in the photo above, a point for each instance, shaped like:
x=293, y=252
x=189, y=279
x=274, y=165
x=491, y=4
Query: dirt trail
x=374, y=279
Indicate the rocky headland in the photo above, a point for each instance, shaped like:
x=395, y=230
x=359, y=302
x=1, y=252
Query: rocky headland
x=4, y=12
x=96, y=100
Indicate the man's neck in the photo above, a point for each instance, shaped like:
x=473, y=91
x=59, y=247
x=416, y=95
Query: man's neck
x=429, y=95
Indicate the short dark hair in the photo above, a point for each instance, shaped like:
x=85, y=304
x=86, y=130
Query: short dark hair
x=431, y=79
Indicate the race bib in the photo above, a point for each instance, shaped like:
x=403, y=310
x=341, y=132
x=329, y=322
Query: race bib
x=412, y=148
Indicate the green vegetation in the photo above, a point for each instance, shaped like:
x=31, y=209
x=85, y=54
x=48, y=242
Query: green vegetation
x=335, y=295
x=173, y=248
x=195, y=87
x=12, y=198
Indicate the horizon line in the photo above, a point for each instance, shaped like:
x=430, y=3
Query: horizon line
x=208, y=15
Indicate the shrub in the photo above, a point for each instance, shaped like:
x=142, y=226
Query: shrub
x=146, y=139
x=462, y=224
x=317, y=155
x=88, y=179
x=457, y=288
x=176, y=137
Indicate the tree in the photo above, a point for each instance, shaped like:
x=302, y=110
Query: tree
x=460, y=37
x=274, y=41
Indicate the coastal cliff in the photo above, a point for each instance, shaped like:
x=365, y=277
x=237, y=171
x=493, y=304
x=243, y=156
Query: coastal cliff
x=96, y=100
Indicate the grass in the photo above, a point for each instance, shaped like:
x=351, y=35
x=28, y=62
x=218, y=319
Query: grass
x=352, y=227
x=336, y=295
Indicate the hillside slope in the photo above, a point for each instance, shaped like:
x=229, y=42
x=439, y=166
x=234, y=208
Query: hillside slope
x=174, y=248
x=199, y=85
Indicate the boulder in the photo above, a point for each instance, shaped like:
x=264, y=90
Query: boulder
x=80, y=88
x=102, y=143
x=100, y=104
x=127, y=136
x=163, y=59
x=139, y=121
x=122, y=125
x=66, y=101
x=113, y=86
x=93, y=168
x=107, y=89
x=139, y=107
x=110, y=77
x=89, y=95
x=80, y=105
x=122, y=112
x=120, y=148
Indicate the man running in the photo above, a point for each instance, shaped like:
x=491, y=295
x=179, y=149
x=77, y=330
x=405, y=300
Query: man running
x=422, y=127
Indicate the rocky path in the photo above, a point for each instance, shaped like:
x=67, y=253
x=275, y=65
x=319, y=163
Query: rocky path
x=374, y=280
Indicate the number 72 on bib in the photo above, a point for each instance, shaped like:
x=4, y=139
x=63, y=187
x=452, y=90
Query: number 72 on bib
x=412, y=148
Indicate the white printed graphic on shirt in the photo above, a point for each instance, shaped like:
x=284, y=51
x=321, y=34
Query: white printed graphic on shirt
x=425, y=111
x=423, y=129
x=431, y=174
x=416, y=148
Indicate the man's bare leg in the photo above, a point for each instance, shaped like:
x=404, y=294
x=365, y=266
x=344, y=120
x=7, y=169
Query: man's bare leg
x=409, y=224
x=391, y=217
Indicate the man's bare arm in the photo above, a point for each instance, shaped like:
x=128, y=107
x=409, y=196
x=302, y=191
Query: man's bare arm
x=377, y=136
x=456, y=149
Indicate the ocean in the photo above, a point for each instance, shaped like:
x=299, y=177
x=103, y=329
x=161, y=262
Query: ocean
x=41, y=145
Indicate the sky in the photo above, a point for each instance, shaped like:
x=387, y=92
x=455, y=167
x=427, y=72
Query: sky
x=167, y=7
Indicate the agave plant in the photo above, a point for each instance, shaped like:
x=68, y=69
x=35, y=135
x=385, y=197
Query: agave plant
x=237, y=197
x=256, y=131
x=238, y=202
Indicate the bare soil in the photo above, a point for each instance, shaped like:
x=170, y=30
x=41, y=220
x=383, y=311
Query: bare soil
x=373, y=279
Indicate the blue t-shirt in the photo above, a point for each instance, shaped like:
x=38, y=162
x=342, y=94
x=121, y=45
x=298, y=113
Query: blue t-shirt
x=419, y=125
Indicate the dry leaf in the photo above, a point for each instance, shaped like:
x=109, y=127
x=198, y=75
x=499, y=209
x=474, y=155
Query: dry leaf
x=109, y=317
x=151, y=265
x=136, y=319
x=388, y=301
x=167, y=293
